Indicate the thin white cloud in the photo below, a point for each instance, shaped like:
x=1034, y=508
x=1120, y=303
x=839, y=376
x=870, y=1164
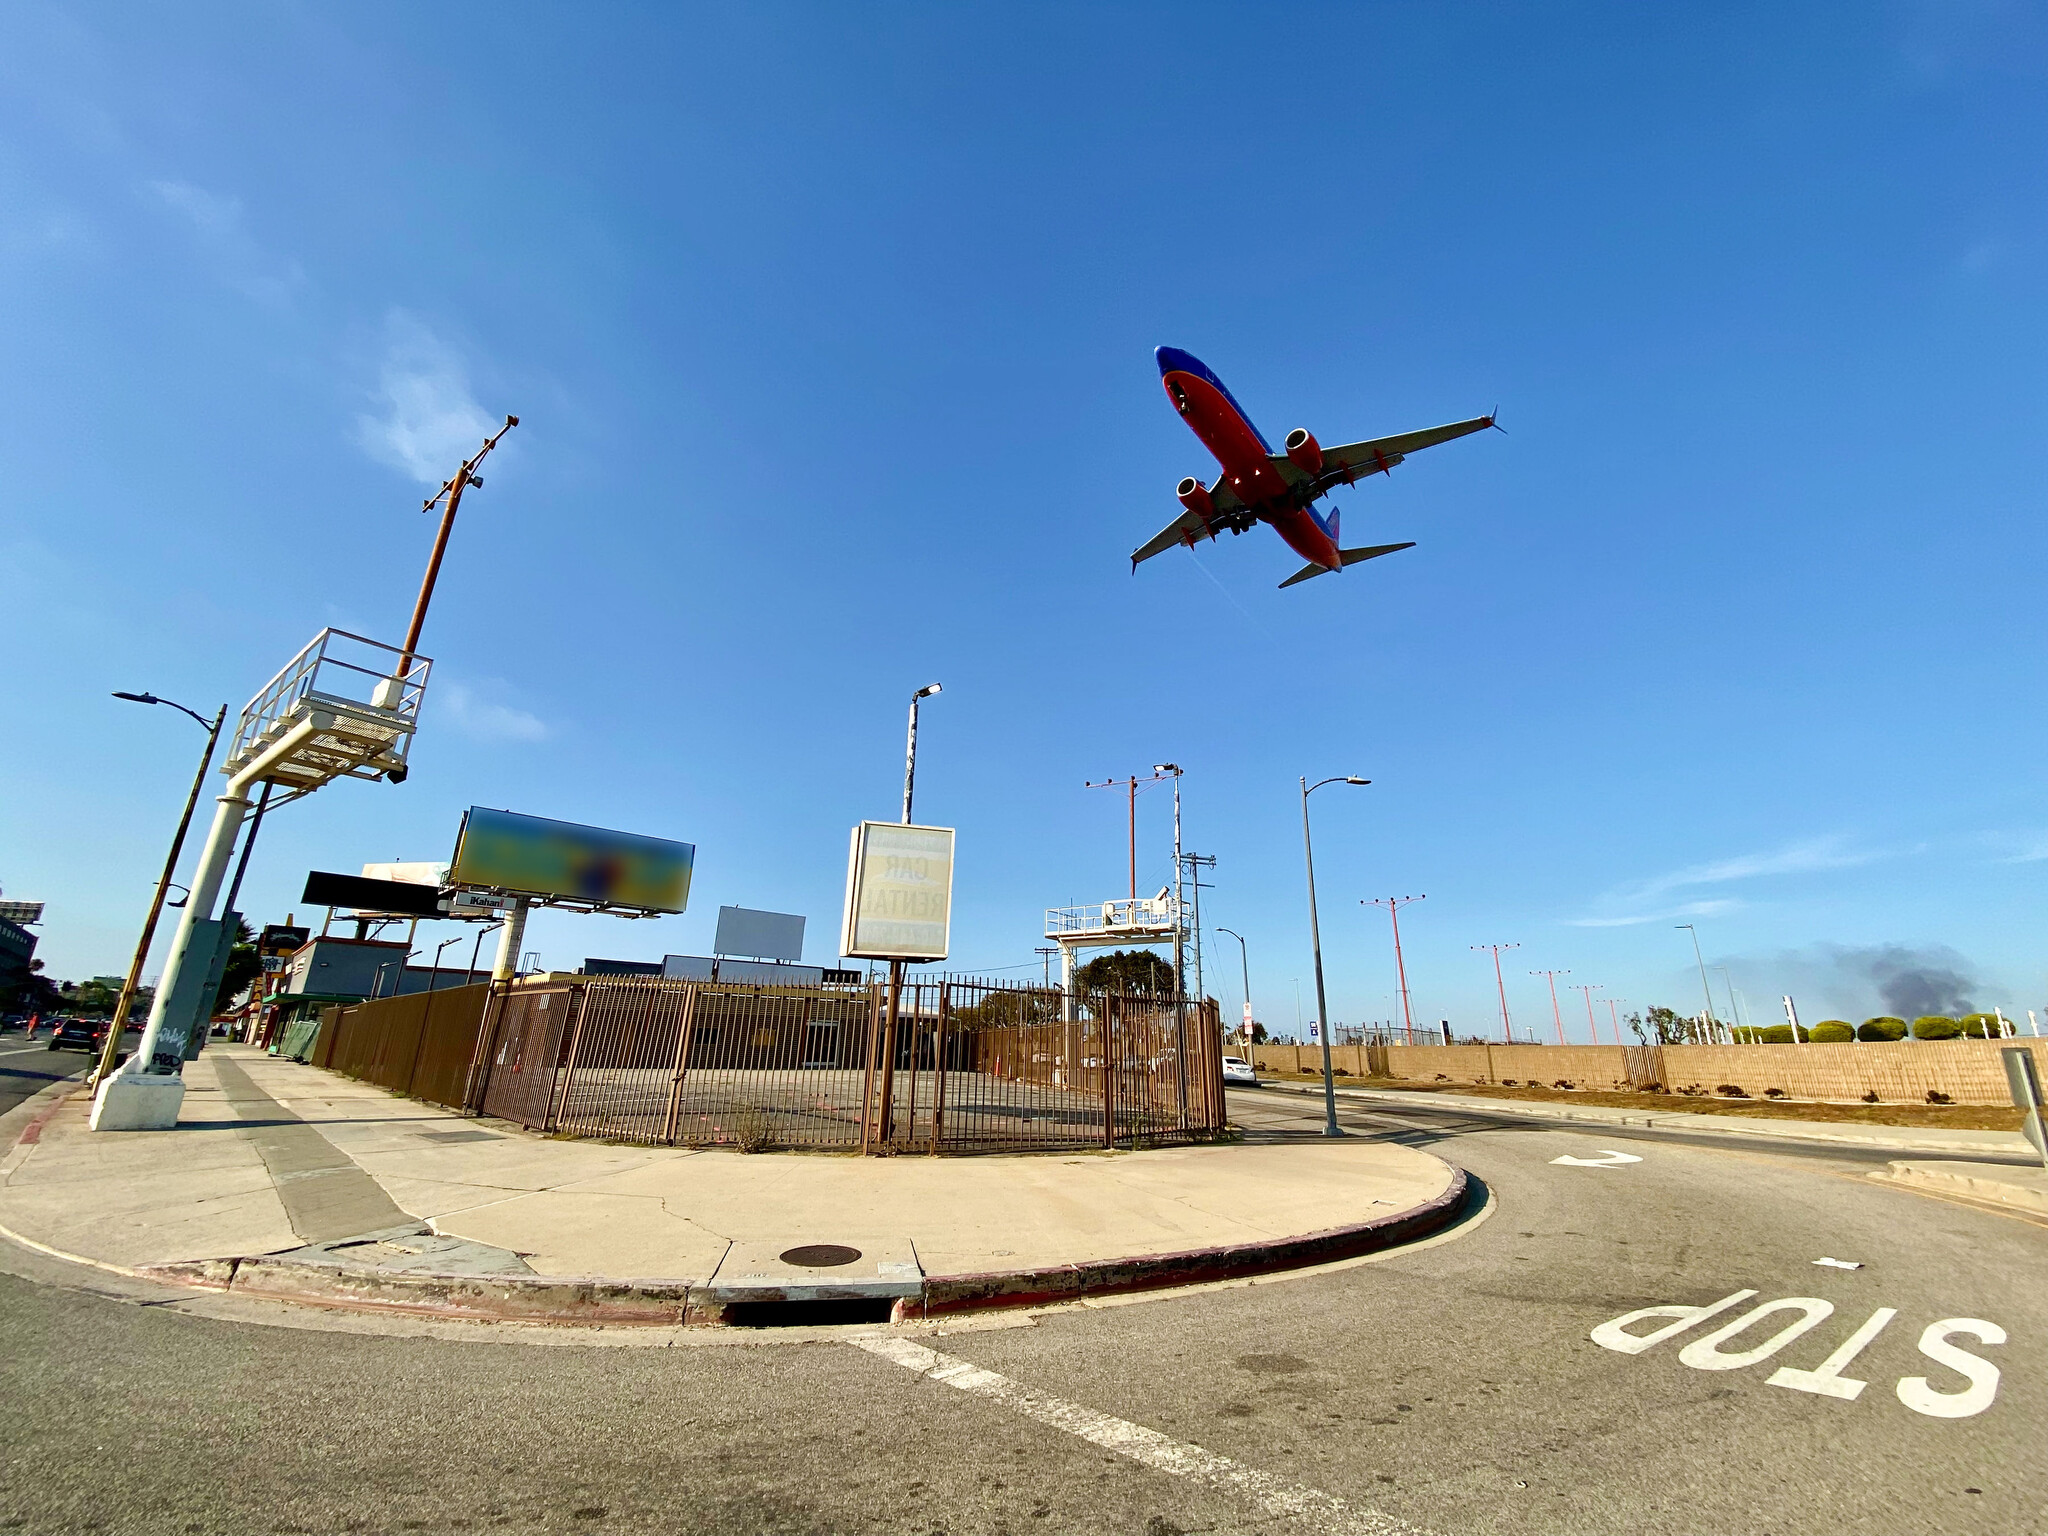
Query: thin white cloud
x=1690, y=909
x=486, y=719
x=430, y=421
x=1651, y=900
x=237, y=257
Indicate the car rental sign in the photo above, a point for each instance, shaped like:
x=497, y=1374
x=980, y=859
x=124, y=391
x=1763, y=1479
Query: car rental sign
x=899, y=893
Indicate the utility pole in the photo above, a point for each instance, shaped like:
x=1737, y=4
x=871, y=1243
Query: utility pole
x=1556, y=1016
x=112, y=1047
x=1393, y=904
x=1196, y=863
x=1045, y=952
x=451, y=489
x=1131, y=784
x=1507, y=1032
x=1180, y=926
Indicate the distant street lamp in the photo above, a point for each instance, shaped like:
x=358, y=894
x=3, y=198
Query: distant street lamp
x=1316, y=942
x=1245, y=963
x=1705, y=990
x=112, y=1048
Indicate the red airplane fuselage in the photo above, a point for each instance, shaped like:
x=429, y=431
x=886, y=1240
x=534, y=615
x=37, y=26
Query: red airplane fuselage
x=1216, y=418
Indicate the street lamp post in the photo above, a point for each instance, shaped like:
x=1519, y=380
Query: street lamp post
x=1315, y=934
x=896, y=967
x=1245, y=964
x=112, y=1048
x=1705, y=991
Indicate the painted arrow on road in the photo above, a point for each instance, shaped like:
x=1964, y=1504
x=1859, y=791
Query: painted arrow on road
x=1608, y=1158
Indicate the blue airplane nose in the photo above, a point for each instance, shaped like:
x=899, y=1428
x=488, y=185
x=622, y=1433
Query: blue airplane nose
x=1173, y=360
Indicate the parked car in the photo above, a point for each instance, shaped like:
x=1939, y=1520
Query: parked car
x=1238, y=1073
x=77, y=1035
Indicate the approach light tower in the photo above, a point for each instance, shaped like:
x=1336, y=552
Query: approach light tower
x=344, y=707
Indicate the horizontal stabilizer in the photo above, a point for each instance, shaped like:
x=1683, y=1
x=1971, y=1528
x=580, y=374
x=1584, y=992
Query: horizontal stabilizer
x=1351, y=557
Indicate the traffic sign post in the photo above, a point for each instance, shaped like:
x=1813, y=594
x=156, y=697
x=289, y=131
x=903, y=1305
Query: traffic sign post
x=2025, y=1084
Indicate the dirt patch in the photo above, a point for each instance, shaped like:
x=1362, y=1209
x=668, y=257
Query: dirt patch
x=1954, y=1117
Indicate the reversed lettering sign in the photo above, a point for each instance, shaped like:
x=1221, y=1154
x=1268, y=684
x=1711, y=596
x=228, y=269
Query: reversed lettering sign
x=899, y=893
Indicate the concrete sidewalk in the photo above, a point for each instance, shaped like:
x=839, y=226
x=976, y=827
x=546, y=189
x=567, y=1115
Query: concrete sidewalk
x=1904, y=1138
x=2002, y=1184
x=287, y=1180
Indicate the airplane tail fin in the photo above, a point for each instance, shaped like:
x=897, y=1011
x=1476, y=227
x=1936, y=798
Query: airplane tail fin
x=1351, y=557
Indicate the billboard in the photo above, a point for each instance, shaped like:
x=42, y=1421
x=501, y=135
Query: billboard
x=899, y=893
x=398, y=898
x=762, y=935
x=532, y=856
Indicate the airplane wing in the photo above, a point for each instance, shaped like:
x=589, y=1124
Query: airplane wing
x=1190, y=526
x=1349, y=463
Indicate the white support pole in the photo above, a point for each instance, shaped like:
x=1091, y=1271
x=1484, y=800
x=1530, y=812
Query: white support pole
x=147, y=1092
x=510, y=936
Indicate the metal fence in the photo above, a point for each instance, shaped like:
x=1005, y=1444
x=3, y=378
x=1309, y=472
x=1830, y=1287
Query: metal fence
x=422, y=1043
x=944, y=1066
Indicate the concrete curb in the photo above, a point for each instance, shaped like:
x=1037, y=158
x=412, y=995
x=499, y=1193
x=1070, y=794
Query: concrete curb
x=2006, y=1142
x=599, y=1302
x=1951, y=1180
x=1068, y=1282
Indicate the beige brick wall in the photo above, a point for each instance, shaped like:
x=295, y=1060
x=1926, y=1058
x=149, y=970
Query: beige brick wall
x=1968, y=1071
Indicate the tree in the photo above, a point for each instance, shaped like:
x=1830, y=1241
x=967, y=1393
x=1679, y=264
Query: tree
x=1883, y=1027
x=1832, y=1031
x=1127, y=970
x=244, y=966
x=1935, y=1026
x=1671, y=1027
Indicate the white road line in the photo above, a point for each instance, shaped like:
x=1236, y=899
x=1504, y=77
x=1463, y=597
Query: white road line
x=1314, y=1509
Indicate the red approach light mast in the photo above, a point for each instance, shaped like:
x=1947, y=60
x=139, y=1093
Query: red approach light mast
x=1507, y=1032
x=1556, y=1016
x=1393, y=904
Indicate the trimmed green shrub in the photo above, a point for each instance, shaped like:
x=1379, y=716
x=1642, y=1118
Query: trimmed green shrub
x=1935, y=1026
x=1776, y=1034
x=1832, y=1031
x=1980, y=1026
x=1883, y=1027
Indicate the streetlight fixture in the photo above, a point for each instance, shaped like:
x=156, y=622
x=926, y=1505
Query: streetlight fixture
x=112, y=1049
x=1705, y=991
x=910, y=747
x=1245, y=963
x=1315, y=935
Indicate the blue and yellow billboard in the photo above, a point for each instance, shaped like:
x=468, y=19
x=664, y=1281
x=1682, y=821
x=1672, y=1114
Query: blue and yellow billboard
x=532, y=856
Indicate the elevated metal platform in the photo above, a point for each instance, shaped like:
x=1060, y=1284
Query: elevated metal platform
x=1148, y=920
x=349, y=707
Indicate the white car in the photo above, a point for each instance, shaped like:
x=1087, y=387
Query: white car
x=1238, y=1073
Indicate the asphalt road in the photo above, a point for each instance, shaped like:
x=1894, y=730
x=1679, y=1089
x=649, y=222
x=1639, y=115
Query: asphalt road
x=1451, y=1388
x=27, y=1067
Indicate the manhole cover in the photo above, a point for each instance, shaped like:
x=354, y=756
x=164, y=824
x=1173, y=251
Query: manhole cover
x=820, y=1255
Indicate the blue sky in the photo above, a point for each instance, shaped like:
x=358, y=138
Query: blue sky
x=830, y=332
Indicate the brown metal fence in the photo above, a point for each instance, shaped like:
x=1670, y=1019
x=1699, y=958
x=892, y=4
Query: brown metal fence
x=421, y=1043
x=952, y=1066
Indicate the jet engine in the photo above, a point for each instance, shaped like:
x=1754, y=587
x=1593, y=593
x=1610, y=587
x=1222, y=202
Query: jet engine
x=1195, y=497
x=1303, y=448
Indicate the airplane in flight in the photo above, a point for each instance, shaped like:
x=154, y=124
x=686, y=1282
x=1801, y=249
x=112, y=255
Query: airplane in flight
x=1260, y=486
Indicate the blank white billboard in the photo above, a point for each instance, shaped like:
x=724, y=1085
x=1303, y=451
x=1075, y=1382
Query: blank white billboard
x=759, y=935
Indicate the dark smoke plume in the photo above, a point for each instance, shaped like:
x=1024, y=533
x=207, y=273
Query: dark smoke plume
x=1853, y=982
